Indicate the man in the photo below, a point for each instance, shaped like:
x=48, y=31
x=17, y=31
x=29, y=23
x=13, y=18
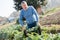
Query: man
x=30, y=15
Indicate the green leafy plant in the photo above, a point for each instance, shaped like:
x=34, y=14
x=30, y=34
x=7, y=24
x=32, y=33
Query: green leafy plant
x=13, y=33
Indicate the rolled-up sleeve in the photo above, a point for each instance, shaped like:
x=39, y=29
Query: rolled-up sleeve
x=21, y=19
x=35, y=12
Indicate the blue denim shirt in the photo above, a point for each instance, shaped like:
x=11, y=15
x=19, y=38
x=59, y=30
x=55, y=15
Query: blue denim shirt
x=30, y=15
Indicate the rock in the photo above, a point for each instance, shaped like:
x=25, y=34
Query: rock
x=3, y=20
x=13, y=16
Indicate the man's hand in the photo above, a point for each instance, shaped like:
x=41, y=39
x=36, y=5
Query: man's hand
x=23, y=28
x=24, y=31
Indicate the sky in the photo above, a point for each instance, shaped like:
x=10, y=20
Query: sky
x=6, y=7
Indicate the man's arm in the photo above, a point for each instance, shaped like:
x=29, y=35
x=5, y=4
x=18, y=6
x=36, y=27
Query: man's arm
x=21, y=19
x=35, y=12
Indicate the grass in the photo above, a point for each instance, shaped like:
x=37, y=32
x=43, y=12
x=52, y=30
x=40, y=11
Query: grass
x=51, y=26
x=6, y=25
x=51, y=11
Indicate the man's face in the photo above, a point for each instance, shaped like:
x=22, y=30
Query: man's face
x=24, y=6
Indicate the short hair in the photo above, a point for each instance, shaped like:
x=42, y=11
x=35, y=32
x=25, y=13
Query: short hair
x=23, y=2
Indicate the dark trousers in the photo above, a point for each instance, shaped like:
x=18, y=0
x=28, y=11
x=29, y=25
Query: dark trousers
x=32, y=24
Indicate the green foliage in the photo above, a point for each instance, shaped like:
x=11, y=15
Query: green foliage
x=14, y=33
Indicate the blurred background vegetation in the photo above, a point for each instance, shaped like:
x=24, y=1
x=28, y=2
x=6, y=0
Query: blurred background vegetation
x=34, y=3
